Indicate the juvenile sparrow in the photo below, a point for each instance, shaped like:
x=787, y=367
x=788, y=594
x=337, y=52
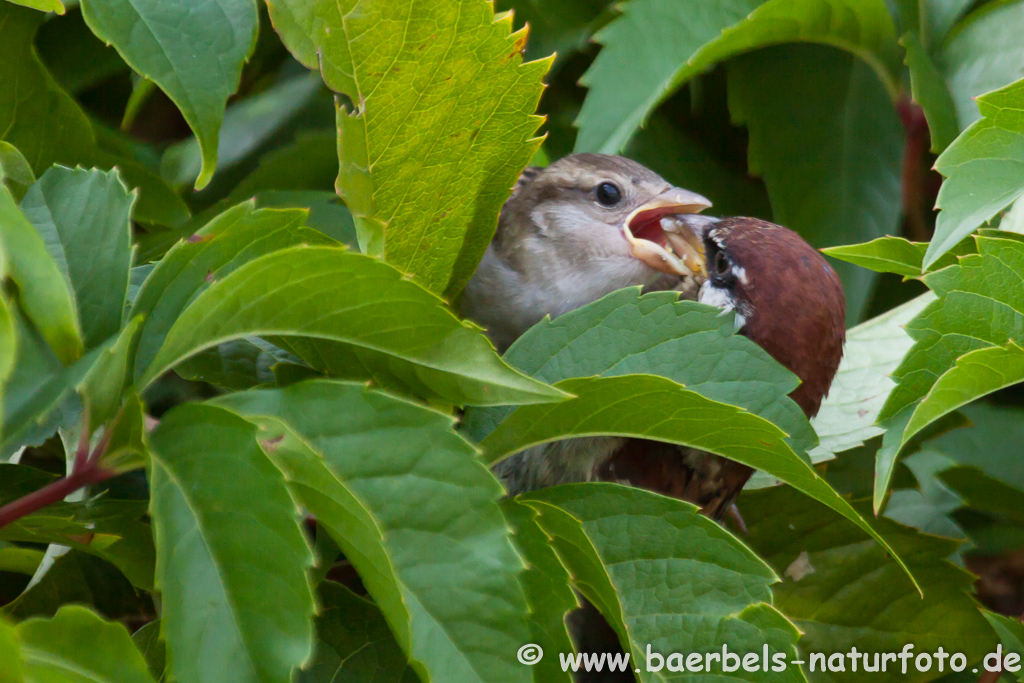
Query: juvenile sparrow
x=572, y=232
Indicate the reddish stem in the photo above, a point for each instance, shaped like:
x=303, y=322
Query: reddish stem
x=85, y=472
x=51, y=493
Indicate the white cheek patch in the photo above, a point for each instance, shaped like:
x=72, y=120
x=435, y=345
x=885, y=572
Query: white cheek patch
x=720, y=298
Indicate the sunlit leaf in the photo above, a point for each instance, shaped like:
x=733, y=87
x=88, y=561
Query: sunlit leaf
x=356, y=300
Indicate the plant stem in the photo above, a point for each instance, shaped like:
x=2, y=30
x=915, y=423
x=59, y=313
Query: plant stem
x=52, y=493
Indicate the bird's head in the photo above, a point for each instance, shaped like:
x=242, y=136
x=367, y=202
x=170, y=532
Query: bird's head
x=599, y=216
x=786, y=297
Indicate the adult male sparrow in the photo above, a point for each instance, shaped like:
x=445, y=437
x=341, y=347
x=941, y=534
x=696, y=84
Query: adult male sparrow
x=572, y=232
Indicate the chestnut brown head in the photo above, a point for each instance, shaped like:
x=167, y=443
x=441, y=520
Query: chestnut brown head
x=787, y=298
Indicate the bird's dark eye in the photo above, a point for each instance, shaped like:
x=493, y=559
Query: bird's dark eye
x=722, y=265
x=608, y=194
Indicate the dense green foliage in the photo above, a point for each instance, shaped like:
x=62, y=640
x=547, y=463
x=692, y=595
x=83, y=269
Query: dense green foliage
x=245, y=435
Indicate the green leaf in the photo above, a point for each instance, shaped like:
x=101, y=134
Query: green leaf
x=42, y=289
x=896, y=255
x=648, y=407
x=308, y=163
x=239, y=364
x=548, y=594
x=247, y=125
x=102, y=389
x=76, y=58
x=630, y=78
x=42, y=5
x=1011, y=634
x=977, y=307
x=354, y=643
x=108, y=529
x=430, y=150
x=822, y=184
x=10, y=654
x=231, y=239
x=884, y=255
x=84, y=217
x=982, y=169
x=19, y=560
x=77, y=644
x=975, y=374
x=418, y=520
x=356, y=300
x=194, y=53
x=622, y=545
x=15, y=171
x=987, y=494
x=841, y=593
x=562, y=32
x=625, y=333
x=126, y=448
x=147, y=640
x=237, y=603
x=982, y=55
x=36, y=115
x=928, y=87
x=873, y=350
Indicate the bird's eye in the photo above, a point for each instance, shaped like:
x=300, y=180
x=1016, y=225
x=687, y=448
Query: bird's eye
x=721, y=264
x=608, y=194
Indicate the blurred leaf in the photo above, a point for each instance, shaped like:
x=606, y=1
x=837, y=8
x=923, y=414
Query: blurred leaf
x=548, y=594
x=630, y=78
x=872, y=352
x=982, y=169
x=36, y=115
x=939, y=17
x=563, y=30
x=430, y=150
x=841, y=593
x=103, y=386
x=1011, y=634
x=237, y=604
x=621, y=545
x=19, y=480
x=822, y=185
x=308, y=163
x=77, y=645
x=108, y=529
x=147, y=640
x=975, y=374
x=194, y=53
x=75, y=577
x=928, y=87
x=238, y=364
x=10, y=654
x=356, y=300
x=247, y=125
x=992, y=445
x=76, y=58
x=986, y=494
x=691, y=164
x=354, y=643
x=43, y=290
x=648, y=407
x=19, y=560
x=42, y=5
x=418, y=519
x=15, y=171
x=625, y=333
x=231, y=239
x=983, y=54
x=126, y=449
x=84, y=218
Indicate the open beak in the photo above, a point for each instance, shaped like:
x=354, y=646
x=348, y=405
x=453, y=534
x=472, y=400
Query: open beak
x=663, y=244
